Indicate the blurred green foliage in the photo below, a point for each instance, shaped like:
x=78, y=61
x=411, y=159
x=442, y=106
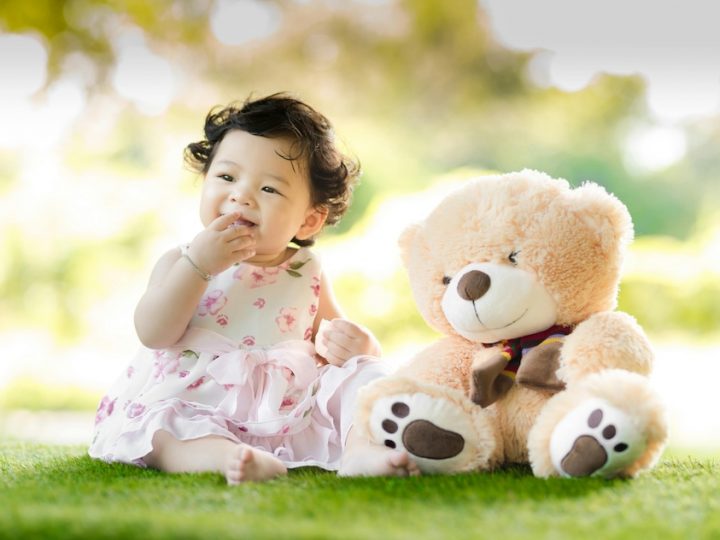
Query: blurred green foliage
x=29, y=394
x=676, y=308
x=415, y=87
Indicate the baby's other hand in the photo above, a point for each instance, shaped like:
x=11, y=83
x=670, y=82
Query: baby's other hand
x=344, y=339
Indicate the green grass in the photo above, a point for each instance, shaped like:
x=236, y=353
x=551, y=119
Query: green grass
x=58, y=492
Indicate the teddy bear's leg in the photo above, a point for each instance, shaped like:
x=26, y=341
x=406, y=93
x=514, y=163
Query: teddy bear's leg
x=442, y=430
x=610, y=424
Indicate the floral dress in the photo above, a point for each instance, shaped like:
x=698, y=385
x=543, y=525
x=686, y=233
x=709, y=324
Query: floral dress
x=245, y=370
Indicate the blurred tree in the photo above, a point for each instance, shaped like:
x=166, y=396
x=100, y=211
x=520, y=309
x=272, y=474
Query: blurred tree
x=417, y=88
x=422, y=84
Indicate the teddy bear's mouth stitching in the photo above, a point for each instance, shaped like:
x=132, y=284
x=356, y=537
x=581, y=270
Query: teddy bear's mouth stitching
x=499, y=327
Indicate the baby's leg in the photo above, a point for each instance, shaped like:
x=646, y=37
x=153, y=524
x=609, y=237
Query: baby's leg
x=362, y=458
x=238, y=462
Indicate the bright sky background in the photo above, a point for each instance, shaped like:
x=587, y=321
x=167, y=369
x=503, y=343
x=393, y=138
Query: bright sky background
x=674, y=44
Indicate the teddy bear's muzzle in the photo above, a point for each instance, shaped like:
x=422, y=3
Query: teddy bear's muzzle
x=488, y=302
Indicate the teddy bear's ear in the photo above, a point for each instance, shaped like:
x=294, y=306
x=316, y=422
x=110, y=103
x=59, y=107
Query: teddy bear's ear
x=604, y=213
x=407, y=240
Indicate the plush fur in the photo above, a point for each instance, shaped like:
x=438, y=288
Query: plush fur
x=530, y=252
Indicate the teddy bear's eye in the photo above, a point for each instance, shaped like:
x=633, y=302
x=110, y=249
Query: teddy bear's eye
x=446, y=280
x=513, y=257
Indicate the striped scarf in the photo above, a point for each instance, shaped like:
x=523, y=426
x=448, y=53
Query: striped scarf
x=513, y=349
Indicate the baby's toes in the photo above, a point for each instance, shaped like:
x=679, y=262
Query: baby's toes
x=399, y=459
x=234, y=474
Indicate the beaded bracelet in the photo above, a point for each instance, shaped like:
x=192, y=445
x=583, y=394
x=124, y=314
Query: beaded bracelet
x=202, y=273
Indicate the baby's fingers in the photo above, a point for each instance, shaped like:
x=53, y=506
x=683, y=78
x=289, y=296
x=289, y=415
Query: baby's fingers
x=244, y=242
x=233, y=232
x=335, y=359
x=340, y=340
x=346, y=327
x=223, y=222
x=243, y=254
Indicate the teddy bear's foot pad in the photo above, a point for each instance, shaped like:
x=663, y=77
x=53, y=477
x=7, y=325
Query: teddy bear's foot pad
x=410, y=422
x=595, y=439
x=424, y=439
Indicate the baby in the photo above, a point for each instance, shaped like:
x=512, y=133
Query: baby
x=229, y=380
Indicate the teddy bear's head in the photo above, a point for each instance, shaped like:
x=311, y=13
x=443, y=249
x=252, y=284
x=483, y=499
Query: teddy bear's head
x=511, y=255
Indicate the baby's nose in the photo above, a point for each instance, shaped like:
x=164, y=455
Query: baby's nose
x=240, y=196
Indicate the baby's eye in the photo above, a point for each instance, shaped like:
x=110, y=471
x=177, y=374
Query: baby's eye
x=446, y=280
x=226, y=177
x=269, y=189
x=513, y=257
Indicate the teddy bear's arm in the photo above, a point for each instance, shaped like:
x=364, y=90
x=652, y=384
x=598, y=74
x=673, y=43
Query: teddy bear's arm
x=489, y=383
x=606, y=340
x=539, y=367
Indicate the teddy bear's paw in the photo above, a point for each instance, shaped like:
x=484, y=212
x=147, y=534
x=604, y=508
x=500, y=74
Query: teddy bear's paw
x=595, y=439
x=432, y=430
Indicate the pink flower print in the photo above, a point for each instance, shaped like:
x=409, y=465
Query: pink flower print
x=249, y=341
x=315, y=286
x=105, y=409
x=287, y=402
x=184, y=373
x=212, y=303
x=287, y=319
x=259, y=303
x=135, y=410
x=308, y=334
x=312, y=310
x=164, y=364
x=196, y=384
x=129, y=372
x=222, y=319
x=285, y=430
x=259, y=277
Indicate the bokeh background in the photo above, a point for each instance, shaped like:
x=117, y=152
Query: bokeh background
x=99, y=98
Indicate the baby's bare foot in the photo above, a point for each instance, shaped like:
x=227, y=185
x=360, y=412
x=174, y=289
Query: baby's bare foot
x=380, y=461
x=247, y=464
x=403, y=465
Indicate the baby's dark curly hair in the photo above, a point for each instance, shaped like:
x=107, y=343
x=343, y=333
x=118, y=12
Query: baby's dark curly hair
x=332, y=174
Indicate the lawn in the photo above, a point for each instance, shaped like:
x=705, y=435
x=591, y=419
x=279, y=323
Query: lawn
x=58, y=492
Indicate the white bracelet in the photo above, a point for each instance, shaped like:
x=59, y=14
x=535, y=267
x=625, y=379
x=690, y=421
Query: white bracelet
x=202, y=273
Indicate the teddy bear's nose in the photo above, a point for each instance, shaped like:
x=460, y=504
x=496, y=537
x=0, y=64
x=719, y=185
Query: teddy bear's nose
x=473, y=285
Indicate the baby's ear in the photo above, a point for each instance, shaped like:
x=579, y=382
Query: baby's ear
x=314, y=221
x=408, y=238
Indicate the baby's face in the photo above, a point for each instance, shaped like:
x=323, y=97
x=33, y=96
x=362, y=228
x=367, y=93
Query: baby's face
x=248, y=174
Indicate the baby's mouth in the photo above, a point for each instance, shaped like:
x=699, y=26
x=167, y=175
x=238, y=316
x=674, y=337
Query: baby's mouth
x=243, y=223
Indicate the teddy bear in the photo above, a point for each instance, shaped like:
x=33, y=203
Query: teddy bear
x=520, y=272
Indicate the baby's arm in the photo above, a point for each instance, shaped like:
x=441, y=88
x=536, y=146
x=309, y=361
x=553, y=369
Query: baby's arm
x=344, y=339
x=175, y=287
